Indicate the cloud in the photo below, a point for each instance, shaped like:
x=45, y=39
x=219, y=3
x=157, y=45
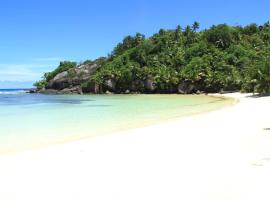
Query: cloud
x=31, y=71
x=22, y=72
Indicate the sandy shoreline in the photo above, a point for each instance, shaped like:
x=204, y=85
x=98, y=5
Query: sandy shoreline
x=223, y=154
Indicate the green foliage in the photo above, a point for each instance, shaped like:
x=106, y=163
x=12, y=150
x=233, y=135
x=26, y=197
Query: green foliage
x=63, y=66
x=128, y=42
x=221, y=36
x=40, y=84
x=222, y=57
x=98, y=61
x=257, y=77
x=88, y=62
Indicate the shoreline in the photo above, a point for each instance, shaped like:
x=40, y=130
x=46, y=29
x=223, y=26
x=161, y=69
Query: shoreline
x=222, y=154
x=226, y=102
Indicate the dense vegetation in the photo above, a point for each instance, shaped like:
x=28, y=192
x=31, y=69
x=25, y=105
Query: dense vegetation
x=220, y=58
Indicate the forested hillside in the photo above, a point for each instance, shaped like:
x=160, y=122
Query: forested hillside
x=184, y=60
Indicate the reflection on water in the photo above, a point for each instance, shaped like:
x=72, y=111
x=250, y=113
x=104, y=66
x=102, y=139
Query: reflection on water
x=24, y=99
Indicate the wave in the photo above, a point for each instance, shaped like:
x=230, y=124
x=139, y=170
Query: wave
x=12, y=91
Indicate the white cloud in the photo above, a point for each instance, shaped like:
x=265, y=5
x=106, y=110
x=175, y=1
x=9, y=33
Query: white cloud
x=22, y=72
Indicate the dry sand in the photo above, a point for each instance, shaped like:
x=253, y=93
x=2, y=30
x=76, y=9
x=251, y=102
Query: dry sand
x=221, y=155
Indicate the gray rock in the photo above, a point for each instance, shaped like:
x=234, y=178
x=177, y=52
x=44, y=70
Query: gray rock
x=108, y=92
x=110, y=84
x=32, y=91
x=72, y=78
x=60, y=76
x=186, y=87
x=93, y=88
x=149, y=84
x=73, y=90
x=137, y=85
x=48, y=91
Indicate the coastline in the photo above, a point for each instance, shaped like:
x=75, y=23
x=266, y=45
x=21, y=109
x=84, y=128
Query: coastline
x=207, y=103
x=222, y=154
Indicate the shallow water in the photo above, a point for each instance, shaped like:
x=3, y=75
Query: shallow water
x=34, y=120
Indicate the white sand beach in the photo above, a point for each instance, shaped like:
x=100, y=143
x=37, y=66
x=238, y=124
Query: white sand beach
x=220, y=155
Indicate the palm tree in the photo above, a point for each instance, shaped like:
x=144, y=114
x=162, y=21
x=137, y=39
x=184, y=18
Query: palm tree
x=195, y=26
x=178, y=32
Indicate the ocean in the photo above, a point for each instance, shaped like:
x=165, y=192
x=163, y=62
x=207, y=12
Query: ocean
x=12, y=91
x=35, y=120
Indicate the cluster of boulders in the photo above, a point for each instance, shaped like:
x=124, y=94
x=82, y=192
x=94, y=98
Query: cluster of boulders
x=148, y=85
x=186, y=87
x=71, y=81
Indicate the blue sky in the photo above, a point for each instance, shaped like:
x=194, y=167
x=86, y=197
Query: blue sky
x=36, y=34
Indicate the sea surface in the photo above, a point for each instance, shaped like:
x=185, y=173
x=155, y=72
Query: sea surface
x=36, y=120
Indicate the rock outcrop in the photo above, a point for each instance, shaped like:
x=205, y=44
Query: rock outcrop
x=149, y=85
x=77, y=81
x=186, y=87
x=70, y=81
x=137, y=86
x=110, y=85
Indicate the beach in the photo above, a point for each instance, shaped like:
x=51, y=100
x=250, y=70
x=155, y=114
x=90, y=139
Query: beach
x=219, y=155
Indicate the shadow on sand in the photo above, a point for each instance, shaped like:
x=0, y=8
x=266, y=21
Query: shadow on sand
x=258, y=95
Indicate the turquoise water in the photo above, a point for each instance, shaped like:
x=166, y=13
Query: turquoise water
x=34, y=120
